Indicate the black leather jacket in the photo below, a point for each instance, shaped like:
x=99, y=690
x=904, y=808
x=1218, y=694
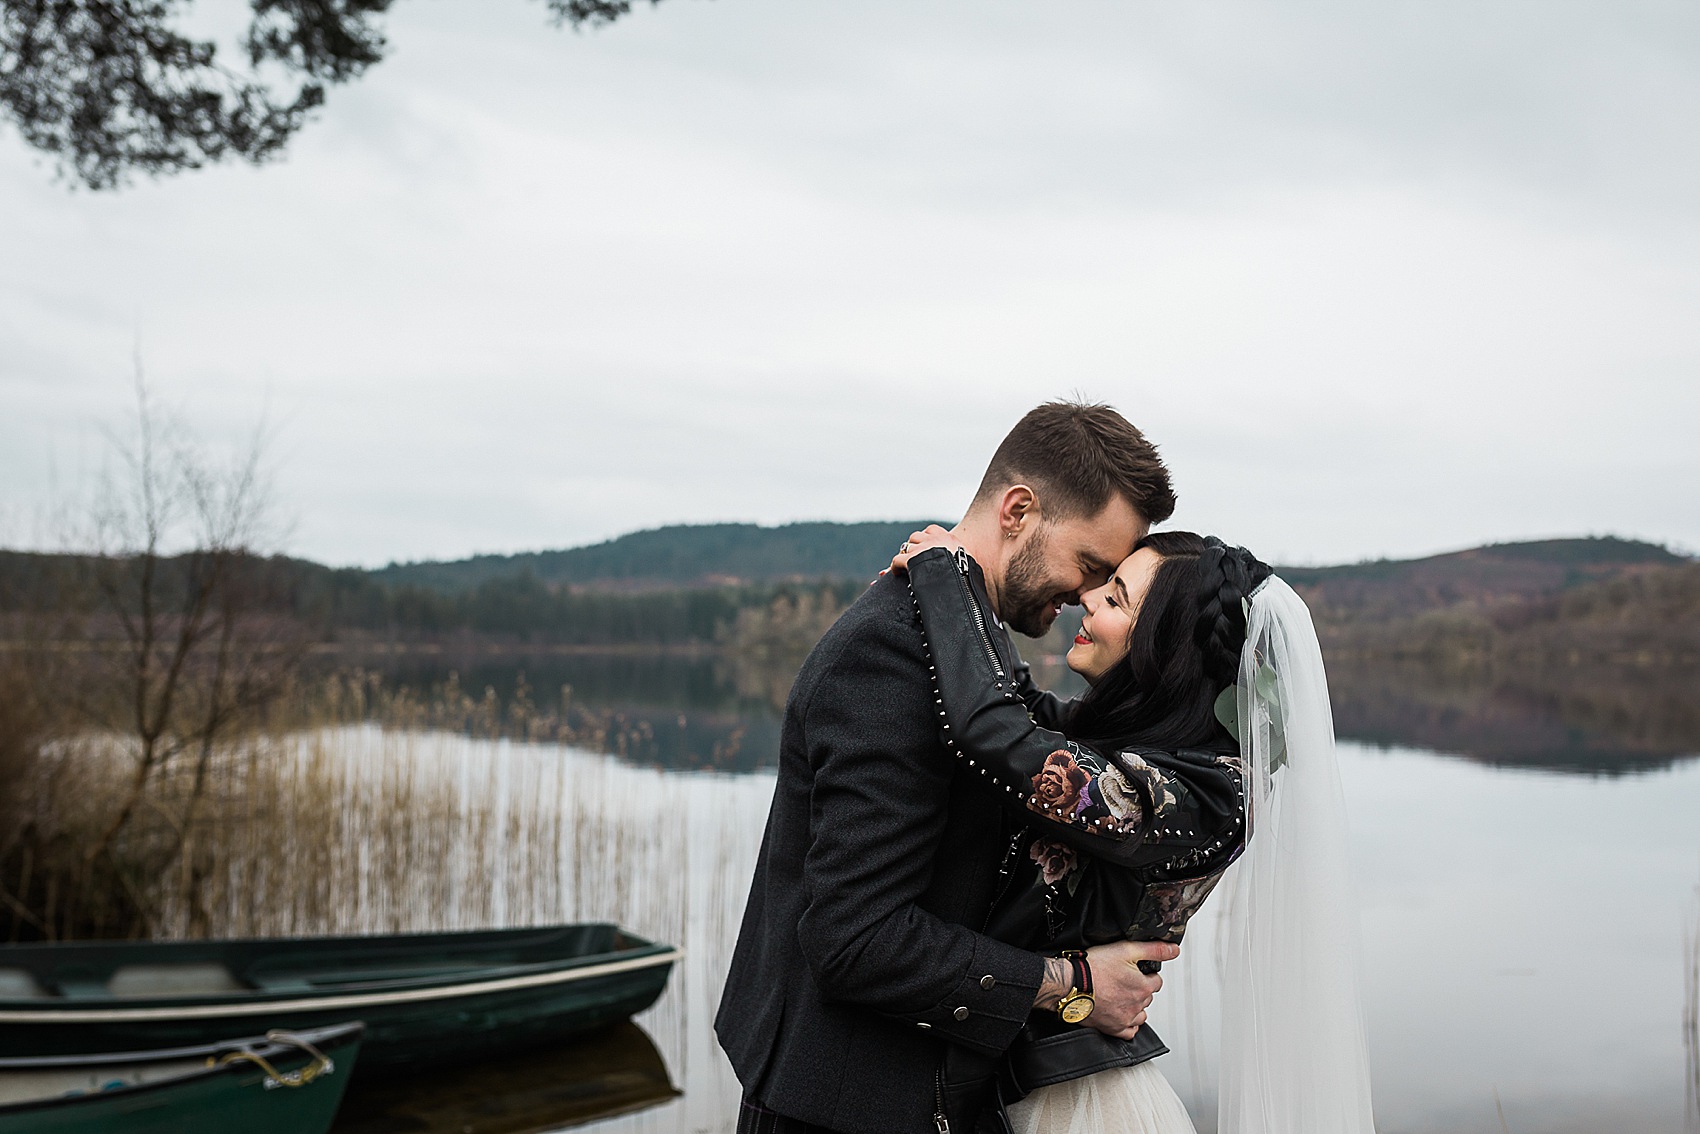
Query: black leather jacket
x=1119, y=845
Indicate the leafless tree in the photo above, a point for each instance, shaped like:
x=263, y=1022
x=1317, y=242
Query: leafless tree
x=190, y=640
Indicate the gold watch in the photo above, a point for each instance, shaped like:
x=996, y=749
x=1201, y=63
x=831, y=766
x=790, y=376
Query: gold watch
x=1077, y=1003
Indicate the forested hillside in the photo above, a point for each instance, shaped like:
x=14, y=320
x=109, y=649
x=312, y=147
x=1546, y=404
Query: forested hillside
x=1556, y=601
x=688, y=555
x=720, y=583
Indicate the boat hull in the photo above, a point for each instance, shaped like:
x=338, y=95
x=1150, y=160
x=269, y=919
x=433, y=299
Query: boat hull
x=233, y=1097
x=481, y=994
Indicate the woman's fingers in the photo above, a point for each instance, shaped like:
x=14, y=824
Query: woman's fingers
x=933, y=535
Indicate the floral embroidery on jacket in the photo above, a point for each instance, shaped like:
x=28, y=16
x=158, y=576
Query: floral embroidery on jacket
x=1056, y=860
x=1168, y=906
x=1078, y=787
x=1127, y=797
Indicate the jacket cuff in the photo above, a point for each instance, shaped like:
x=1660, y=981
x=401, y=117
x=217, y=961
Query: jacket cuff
x=989, y=1005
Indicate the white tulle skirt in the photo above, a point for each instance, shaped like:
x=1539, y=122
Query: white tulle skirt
x=1122, y=1100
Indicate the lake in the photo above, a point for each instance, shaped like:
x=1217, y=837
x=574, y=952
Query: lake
x=1525, y=921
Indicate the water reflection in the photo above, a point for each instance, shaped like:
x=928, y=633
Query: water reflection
x=612, y=1073
x=1522, y=932
x=673, y=709
x=711, y=710
x=1520, y=949
x=1595, y=721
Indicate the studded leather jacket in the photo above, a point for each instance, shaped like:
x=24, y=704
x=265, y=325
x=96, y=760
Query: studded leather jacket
x=1121, y=845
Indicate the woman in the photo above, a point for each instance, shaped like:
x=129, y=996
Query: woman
x=1207, y=715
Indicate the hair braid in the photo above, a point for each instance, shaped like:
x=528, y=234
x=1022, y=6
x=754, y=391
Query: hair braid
x=1226, y=576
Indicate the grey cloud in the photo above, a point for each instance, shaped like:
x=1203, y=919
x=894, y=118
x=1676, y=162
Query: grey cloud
x=1381, y=278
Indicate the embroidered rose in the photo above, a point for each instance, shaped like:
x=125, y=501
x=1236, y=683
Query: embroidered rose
x=1058, y=785
x=1055, y=860
x=1120, y=799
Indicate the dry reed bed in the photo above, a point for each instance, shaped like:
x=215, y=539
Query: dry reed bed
x=363, y=829
x=1691, y=1012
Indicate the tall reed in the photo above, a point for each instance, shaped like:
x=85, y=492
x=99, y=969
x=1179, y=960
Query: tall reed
x=1691, y=1012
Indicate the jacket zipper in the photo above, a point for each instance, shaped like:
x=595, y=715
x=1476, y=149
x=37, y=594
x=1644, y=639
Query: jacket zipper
x=941, y=1121
x=979, y=615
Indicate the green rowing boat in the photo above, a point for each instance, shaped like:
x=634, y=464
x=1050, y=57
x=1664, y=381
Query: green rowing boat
x=282, y=1083
x=426, y=998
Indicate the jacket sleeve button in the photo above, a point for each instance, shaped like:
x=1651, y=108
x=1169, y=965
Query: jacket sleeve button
x=924, y=1026
x=988, y=982
x=961, y=1013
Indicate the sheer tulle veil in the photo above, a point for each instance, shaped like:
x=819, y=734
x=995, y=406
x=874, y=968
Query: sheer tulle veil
x=1293, y=1055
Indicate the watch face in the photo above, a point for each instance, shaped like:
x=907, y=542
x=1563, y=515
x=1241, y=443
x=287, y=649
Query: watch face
x=1077, y=1009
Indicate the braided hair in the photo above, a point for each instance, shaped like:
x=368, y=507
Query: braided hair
x=1184, y=649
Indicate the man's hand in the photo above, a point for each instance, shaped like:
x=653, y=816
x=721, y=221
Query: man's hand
x=1120, y=992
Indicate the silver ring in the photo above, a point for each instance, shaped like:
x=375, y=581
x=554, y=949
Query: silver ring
x=904, y=548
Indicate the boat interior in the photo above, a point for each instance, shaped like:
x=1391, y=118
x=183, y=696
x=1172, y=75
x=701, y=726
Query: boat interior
x=59, y=1082
x=32, y=1080
x=106, y=971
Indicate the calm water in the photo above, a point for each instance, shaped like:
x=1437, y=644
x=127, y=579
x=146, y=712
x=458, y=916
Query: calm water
x=1523, y=932
x=1525, y=904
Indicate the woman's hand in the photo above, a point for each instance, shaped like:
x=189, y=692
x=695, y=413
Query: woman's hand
x=932, y=536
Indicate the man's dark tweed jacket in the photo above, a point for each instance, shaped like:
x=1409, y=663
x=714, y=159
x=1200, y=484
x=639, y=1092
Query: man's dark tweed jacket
x=858, y=961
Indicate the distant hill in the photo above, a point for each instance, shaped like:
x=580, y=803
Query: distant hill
x=1557, y=604
x=1603, y=600
x=694, y=555
x=685, y=555
x=1481, y=577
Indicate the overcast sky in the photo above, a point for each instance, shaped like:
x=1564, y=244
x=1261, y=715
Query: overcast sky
x=1380, y=279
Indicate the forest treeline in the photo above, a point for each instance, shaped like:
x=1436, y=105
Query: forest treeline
x=353, y=606
x=683, y=555
x=775, y=589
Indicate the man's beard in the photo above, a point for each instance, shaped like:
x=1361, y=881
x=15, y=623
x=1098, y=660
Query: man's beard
x=1025, y=599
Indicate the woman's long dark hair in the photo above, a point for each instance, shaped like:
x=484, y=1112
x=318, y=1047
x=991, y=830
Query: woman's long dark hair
x=1183, y=651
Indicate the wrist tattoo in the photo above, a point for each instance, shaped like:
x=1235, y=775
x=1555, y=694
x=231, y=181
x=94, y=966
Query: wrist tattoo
x=1059, y=978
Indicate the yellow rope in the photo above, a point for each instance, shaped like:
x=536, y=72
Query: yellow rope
x=275, y=1078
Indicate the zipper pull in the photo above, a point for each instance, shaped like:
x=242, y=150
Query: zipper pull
x=961, y=555
x=942, y=1123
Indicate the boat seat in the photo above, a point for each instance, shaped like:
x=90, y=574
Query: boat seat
x=81, y=988
x=18, y=984
x=202, y=979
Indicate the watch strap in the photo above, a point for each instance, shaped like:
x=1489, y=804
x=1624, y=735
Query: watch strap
x=1082, y=969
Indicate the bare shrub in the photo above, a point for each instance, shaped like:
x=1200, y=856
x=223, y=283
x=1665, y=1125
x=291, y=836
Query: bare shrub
x=159, y=641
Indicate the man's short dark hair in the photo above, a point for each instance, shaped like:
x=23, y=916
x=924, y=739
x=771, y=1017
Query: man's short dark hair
x=1076, y=456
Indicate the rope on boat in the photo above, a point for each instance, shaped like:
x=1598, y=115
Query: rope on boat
x=322, y=1064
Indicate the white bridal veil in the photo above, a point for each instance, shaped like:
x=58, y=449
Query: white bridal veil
x=1293, y=1055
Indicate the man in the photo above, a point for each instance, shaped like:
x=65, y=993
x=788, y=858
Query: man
x=858, y=968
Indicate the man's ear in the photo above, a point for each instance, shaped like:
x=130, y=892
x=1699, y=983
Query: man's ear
x=1018, y=509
